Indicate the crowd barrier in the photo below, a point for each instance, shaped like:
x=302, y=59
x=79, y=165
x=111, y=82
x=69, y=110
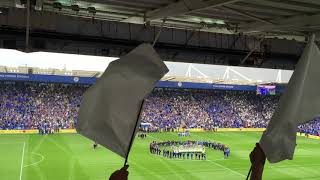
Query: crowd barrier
x=34, y=131
x=309, y=136
x=314, y=137
x=68, y=131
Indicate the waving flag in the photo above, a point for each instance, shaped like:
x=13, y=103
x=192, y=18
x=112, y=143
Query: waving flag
x=299, y=104
x=110, y=108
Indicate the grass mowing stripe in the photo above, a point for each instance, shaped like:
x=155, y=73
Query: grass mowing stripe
x=21, y=167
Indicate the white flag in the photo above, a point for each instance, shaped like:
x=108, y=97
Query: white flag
x=299, y=104
x=110, y=108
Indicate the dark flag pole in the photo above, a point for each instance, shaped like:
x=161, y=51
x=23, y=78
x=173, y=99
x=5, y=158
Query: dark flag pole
x=134, y=130
x=248, y=176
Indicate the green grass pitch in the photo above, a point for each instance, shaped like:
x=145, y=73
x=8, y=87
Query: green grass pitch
x=71, y=157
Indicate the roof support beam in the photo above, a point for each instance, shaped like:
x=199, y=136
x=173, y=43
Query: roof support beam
x=246, y=14
x=184, y=7
x=297, y=22
x=252, y=51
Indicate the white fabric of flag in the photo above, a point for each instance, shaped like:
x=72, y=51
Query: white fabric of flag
x=110, y=108
x=299, y=104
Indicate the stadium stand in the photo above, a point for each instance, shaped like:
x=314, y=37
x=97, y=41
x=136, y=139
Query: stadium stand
x=36, y=105
x=31, y=105
x=208, y=109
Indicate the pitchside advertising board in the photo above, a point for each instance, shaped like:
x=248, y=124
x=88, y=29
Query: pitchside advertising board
x=264, y=90
x=46, y=78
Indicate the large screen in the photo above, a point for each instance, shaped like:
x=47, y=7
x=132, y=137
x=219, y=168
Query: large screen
x=266, y=89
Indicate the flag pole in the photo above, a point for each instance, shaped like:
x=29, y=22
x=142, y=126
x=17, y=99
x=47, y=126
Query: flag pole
x=134, y=130
x=249, y=173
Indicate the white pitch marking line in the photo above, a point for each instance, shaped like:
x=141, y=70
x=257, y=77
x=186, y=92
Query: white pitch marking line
x=35, y=163
x=24, y=145
x=226, y=168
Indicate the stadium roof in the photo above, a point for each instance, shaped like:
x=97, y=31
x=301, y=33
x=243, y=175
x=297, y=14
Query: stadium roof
x=93, y=66
x=268, y=17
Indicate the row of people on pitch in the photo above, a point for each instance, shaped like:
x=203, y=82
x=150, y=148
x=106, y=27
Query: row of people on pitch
x=183, y=134
x=142, y=135
x=218, y=146
x=44, y=128
x=184, y=155
x=154, y=148
x=214, y=145
x=44, y=131
x=176, y=143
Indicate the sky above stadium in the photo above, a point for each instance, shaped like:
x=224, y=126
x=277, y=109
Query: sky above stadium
x=70, y=62
x=45, y=60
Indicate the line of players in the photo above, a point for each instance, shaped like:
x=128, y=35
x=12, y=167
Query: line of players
x=218, y=146
x=44, y=130
x=155, y=149
x=142, y=135
x=173, y=155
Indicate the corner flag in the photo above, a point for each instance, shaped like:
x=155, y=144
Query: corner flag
x=110, y=108
x=299, y=104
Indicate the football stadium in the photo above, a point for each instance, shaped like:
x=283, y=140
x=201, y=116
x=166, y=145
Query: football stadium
x=159, y=89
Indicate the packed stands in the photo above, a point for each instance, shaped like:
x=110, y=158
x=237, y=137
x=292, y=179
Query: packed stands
x=32, y=106
x=208, y=109
x=38, y=105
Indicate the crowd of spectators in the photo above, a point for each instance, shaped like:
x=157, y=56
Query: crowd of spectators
x=39, y=106
x=208, y=109
x=312, y=127
x=35, y=105
x=171, y=108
